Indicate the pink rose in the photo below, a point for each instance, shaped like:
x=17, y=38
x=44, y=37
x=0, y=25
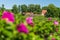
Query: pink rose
x=8, y=15
x=49, y=18
x=53, y=38
x=56, y=22
x=29, y=21
x=22, y=28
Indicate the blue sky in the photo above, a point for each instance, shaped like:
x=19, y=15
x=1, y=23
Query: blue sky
x=9, y=3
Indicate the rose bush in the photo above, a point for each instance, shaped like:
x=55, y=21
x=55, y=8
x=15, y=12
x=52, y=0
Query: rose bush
x=44, y=29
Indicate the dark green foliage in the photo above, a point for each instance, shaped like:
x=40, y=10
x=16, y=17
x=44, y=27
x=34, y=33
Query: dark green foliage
x=24, y=8
x=2, y=8
x=15, y=9
x=52, y=11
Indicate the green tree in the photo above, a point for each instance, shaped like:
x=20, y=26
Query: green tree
x=31, y=8
x=24, y=8
x=37, y=9
x=34, y=8
x=19, y=8
x=44, y=8
x=59, y=12
x=2, y=8
x=52, y=11
x=15, y=9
